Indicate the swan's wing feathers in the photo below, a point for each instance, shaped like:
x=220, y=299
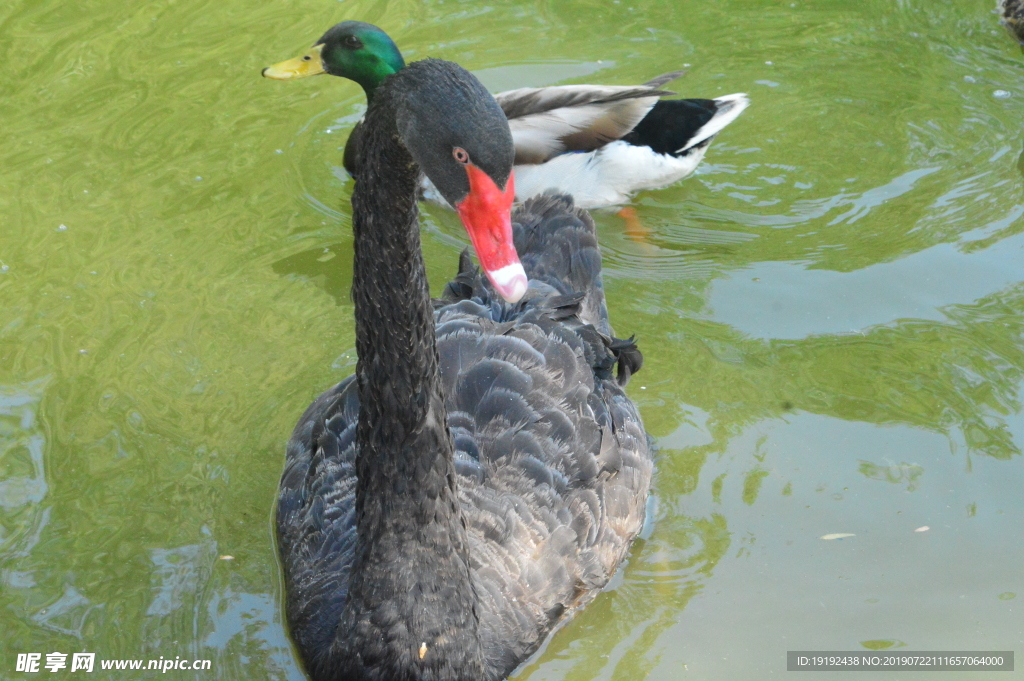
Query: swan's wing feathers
x=564, y=307
x=315, y=515
x=558, y=248
x=546, y=122
x=552, y=468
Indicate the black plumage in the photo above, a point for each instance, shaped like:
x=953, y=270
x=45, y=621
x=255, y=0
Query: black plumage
x=483, y=473
x=672, y=123
x=1013, y=17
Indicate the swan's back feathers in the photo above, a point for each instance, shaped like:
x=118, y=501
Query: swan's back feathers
x=557, y=244
x=553, y=463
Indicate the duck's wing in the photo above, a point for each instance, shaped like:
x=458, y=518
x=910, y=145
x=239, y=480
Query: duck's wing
x=549, y=121
x=664, y=79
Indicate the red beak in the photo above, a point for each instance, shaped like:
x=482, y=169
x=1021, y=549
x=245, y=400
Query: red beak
x=486, y=213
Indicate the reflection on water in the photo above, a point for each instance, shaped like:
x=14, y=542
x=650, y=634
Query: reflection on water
x=905, y=474
x=240, y=624
x=787, y=300
x=867, y=587
x=180, y=583
x=831, y=312
x=323, y=266
x=66, y=615
x=178, y=573
x=22, y=477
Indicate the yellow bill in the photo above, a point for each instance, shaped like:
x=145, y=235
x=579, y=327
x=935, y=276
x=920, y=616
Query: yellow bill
x=309, y=64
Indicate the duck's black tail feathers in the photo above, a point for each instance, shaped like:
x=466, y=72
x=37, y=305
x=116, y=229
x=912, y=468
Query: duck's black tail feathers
x=676, y=126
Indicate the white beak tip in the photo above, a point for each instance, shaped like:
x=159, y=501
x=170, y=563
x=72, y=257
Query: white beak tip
x=510, y=281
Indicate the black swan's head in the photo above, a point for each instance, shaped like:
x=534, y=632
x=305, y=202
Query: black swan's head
x=460, y=138
x=451, y=125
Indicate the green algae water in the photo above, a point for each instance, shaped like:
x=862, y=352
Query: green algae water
x=831, y=313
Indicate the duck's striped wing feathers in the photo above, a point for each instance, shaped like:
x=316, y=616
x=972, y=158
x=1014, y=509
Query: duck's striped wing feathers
x=664, y=78
x=549, y=121
x=529, y=101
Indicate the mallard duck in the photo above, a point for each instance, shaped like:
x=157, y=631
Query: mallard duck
x=483, y=474
x=598, y=143
x=1013, y=17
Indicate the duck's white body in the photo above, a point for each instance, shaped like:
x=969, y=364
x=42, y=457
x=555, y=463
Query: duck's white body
x=611, y=174
x=593, y=142
x=607, y=176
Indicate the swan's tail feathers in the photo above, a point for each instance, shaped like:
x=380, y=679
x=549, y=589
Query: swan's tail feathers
x=557, y=244
x=628, y=356
x=678, y=126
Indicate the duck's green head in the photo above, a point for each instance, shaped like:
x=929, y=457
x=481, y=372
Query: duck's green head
x=352, y=49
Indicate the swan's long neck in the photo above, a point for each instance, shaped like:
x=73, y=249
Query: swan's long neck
x=411, y=602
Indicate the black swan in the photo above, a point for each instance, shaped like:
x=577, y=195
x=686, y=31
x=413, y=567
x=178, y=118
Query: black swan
x=483, y=473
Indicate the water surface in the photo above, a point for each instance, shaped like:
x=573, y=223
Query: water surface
x=831, y=312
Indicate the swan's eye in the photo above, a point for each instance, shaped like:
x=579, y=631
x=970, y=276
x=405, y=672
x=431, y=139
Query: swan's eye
x=353, y=43
x=460, y=155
